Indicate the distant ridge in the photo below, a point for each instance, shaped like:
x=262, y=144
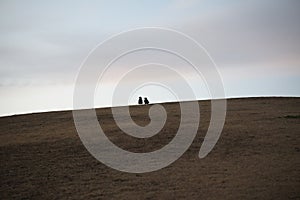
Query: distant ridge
x=171, y=102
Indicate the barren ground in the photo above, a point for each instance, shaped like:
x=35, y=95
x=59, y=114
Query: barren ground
x=256, y=157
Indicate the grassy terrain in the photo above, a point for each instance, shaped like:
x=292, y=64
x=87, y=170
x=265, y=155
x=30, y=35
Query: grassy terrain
x=257, y=156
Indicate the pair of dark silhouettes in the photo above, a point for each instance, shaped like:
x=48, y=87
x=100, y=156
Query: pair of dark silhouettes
x=146, y=101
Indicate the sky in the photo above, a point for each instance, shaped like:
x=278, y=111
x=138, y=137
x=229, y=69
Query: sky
x=254, y=43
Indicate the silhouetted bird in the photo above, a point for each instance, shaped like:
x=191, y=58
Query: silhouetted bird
x=140, y=100
x=146, y=100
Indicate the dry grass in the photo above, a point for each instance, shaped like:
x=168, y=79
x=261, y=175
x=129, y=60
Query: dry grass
x=257, y=156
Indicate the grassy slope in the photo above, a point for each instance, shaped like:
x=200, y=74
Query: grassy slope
x=257, y=156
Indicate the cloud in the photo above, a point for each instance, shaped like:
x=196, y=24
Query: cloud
x=251, y=32
x=254, y=43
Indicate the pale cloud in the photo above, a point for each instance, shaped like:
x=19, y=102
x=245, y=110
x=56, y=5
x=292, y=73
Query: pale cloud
x=42, y=43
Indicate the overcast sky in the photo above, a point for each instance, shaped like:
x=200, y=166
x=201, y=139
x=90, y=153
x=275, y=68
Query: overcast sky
x=255, y=44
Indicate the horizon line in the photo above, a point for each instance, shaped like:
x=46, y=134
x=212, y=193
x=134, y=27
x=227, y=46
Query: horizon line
x=131, y=105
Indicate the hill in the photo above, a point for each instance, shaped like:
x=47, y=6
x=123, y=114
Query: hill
x=257, y=156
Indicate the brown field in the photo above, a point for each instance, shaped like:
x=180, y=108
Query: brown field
x=256, y=157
